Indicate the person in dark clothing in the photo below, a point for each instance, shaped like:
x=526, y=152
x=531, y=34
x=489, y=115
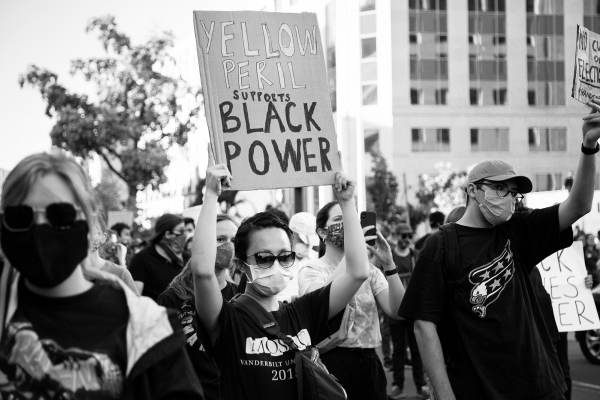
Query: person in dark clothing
x=436, y=219
x=63, y=335
x=162, y=260
x=254, y=364
x=477, y=321
x=402, y=332
x=180, y=296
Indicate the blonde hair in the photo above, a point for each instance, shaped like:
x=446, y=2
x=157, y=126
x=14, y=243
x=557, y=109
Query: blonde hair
x=22, y=177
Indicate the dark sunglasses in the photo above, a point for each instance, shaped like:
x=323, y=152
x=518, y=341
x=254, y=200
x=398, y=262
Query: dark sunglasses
x=266, y=259
x=22, y=217
x=406, y=236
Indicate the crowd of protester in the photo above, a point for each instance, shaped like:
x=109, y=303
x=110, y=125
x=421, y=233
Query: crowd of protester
x=217, y=308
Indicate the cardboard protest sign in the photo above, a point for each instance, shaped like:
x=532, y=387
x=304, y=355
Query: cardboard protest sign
x=266, y=98
x=586, y=74
x=563, y=275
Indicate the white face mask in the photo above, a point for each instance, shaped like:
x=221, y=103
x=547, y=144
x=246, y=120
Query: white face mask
x=496, y=209
x=269, y=281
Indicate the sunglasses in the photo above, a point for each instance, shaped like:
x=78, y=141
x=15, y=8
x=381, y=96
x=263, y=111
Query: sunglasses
x=406, y=236
x=265, y=259
x=21, y=218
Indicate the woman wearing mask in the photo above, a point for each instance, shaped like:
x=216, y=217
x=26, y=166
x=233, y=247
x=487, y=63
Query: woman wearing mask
x=180, y=296
x=63, y=335
x=255, y=365
x=366, y=378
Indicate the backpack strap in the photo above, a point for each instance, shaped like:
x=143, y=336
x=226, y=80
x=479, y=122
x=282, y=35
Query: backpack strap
x=450, y=252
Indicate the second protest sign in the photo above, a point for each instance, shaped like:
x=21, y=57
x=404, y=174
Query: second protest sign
x=266, y=98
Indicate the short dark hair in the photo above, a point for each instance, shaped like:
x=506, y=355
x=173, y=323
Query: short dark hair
x=119, y=227
x=257, y=222
x=189, y=221
x=282, y=216
x=436, y=219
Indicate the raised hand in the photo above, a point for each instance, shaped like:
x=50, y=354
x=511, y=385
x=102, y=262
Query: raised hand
x=343, y=188
x=217, y=178
x=381, y=253
x=591, y=124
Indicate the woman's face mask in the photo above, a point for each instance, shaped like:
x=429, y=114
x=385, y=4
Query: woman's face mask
x=269, y=281
x=335, y=235
x=495, y=209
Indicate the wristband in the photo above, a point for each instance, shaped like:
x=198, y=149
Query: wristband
x=391, y=272
x=588, y=151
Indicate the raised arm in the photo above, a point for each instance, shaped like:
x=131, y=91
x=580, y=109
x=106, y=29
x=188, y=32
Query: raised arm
x=579, y=202
x=345, y=285
x=208, y=299
x=389, y=299
x=430, y=349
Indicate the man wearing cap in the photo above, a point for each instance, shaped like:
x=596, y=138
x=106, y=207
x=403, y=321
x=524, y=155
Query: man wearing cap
x=477, y=321
x=161, y=261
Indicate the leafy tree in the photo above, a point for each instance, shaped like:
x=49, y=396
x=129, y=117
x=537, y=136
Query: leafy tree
x=140, y=108
x=443, y=190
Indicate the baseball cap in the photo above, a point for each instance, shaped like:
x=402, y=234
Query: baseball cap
x=305, y=225
x=499, y=171
x=403, y=228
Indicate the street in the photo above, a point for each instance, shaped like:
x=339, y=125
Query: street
x=585, y=376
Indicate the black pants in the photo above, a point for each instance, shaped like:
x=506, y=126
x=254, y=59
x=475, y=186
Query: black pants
x=403, y=336
x=359, y=371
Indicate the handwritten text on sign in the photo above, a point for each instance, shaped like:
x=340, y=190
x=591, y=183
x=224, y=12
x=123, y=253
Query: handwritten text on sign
x=563, y=275
x=267, y=98
x=586, y=75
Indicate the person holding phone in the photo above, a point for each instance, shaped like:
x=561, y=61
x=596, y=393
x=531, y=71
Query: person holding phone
x=351, y=356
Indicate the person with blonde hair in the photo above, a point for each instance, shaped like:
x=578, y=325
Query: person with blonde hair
x=64, y=336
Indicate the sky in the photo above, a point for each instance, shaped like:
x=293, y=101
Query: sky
x=51, y=34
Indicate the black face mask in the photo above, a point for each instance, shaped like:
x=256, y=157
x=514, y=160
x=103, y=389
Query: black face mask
x=45, y=255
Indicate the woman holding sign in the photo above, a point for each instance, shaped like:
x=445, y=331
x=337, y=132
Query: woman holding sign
x=256, y=364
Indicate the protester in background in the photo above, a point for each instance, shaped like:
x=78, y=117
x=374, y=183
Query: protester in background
x=180, y=296
x=436, y=219
x=477, y=289
x=250, y=368
x=303, y=225
x=591, y=254
x=123, y=232
x=366, y=378
x=96, y=258
x=189, y=226
x=162, y=260
x=402, y=332
x=65, y=336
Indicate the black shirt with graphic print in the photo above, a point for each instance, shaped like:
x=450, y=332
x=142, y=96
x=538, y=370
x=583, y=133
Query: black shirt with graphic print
x=485, y=309
x=68, y=347
x=204, y=364
x=258, y=367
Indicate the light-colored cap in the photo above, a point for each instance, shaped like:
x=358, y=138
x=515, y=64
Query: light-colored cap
x=499, y=171
x=305, y=225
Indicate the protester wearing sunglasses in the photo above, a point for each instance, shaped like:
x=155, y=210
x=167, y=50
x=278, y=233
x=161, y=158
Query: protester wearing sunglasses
x=64, y=336
x=255, y=365
x=355, y=343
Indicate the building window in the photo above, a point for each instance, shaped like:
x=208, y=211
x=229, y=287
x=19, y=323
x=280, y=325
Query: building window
x=489, y=139
x=499, y=96
x=414, y=38
x=416, y=96
x=369, y=47
x=440, y=96
x=547, y=139
x=369, y=94
x=367, y=5
x=430, y=139
x=442, y=38
x=545, y=182
x=475, y=97
x=371, y=141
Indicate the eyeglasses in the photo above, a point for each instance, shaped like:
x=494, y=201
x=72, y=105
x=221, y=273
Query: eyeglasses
x=266, y=259
x=502, y=189
x=22, y=217
x=406, y=236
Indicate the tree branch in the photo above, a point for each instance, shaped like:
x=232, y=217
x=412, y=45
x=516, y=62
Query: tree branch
x=112, y=168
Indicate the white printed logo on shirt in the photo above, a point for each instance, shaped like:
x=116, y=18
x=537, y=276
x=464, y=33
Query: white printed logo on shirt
x=490, y=280
x=276, y=347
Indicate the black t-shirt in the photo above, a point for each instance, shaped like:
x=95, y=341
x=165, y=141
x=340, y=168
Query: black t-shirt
x=204, y=364
x=154, y=270
x=257, y=367
x=70, y=347
x=421, y=242
x=484, y=307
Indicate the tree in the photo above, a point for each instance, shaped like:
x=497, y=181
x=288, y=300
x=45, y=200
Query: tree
x=382, y=188
x=443, y=190
x=140, y=107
